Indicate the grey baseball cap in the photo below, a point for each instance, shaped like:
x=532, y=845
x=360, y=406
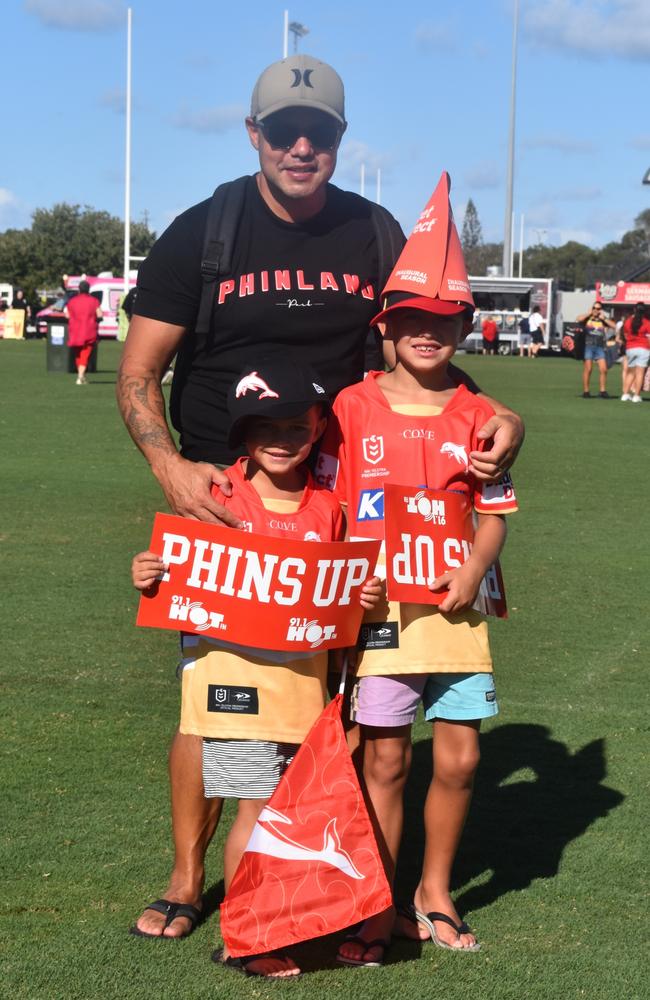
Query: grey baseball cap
x=298, y=82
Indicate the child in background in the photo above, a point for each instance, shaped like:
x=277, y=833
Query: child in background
x=278, y=412
x=414, y=427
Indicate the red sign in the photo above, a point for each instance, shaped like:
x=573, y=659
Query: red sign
x=623, y=292
x=257, y=591
x=428, y=533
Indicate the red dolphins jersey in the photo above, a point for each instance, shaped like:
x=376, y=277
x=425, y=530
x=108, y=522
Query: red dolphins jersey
x=317, y=518
x=367, y=444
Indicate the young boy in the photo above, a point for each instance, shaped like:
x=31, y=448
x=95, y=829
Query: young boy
x=278, y=412
x=412, y=426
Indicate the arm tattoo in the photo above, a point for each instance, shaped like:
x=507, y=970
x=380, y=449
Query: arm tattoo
x=142, y=406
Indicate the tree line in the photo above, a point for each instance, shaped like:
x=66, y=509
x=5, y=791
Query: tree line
x=573, y=265
x=67, y=239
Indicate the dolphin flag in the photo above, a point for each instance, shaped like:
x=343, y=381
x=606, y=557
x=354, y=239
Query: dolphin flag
x=311, y=866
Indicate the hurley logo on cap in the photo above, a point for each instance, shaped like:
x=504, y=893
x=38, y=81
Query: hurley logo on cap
x=254, y=383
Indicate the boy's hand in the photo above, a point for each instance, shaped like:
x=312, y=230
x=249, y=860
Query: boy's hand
x=146, y=569
x=370, y=593
x=463, y=585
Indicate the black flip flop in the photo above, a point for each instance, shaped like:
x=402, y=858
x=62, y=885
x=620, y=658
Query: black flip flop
x=170, y=911
x=374, y=963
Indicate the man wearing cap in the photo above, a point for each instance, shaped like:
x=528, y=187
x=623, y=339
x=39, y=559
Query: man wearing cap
x=304, y=285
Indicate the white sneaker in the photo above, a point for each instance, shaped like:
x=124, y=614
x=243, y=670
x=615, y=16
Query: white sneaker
x=636, y=399
x=625, y=397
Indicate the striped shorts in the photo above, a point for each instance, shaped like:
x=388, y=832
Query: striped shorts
x=244, y=769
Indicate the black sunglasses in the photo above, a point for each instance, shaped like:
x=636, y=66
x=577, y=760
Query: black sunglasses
x=284, y=134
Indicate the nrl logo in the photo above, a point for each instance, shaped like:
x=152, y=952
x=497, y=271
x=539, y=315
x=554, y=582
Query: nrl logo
x=221, y=694
x=253, y=383
x=373, y=448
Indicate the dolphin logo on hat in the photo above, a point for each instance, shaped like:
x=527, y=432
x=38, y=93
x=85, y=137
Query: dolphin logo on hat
x=254, y=383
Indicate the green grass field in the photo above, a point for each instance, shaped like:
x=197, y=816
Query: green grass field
x=553, y=868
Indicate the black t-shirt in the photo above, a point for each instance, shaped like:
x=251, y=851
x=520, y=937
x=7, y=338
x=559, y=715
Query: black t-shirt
x=301, y=291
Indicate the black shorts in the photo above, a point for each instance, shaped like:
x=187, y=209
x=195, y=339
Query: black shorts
x=538, y=337
x=491, y=345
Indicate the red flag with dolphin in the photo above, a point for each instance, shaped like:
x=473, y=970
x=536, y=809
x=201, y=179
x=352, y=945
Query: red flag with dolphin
x=311, y=866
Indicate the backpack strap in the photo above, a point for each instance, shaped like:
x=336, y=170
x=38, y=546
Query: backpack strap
x=390, y=242
x=221, y=227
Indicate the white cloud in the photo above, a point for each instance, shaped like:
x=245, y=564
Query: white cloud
x=560, y=143
x=13, y=213
x=585, y=193
x=114, y=100
x=430, y=35
x=218, y=119
x=78, y=15
x=482, y=176
x=597, y=28
x=353, y=154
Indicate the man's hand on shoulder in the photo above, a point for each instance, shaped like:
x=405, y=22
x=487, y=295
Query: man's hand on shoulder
x=188, y=489
x=507, y=432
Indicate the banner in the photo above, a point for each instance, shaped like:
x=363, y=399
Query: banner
x=254, y=590
x=429, y=532
x=311, y=866
x=14, y=324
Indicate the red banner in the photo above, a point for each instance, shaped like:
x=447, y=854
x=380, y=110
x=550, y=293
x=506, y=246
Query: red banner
x=312, y=865
x=253, y=590
x=429, y=532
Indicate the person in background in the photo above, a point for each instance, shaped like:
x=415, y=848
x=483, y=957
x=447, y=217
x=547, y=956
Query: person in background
x=525, y=338
x=83, y=314
x=20, y=302
x=490, y=332
x=596, y=324
x=636, y=331
x=537, y=329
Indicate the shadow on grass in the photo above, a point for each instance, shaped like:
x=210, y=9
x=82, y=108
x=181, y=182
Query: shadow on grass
x=532, y=798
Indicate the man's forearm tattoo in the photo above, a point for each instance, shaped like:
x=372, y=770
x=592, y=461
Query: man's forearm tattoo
x=142, y=406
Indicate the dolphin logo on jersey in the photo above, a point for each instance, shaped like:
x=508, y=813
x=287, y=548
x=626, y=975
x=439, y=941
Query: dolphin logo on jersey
x=254, y=383
x=457, y=452
x=269, y=840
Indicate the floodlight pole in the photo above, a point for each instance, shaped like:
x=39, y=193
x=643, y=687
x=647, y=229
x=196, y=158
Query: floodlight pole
x=507, y=233
x=378, y=199
x=285, y=43
x=127, y=164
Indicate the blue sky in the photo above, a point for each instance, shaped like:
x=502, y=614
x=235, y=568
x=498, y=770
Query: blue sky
x=427, y=89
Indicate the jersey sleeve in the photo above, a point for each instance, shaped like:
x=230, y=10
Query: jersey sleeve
x=495, y=498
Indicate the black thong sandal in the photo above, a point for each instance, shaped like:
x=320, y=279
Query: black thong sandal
x=242, y=964
x=170, y=911
x=374, y=963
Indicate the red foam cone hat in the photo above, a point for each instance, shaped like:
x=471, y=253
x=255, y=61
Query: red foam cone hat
x=432, y=265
